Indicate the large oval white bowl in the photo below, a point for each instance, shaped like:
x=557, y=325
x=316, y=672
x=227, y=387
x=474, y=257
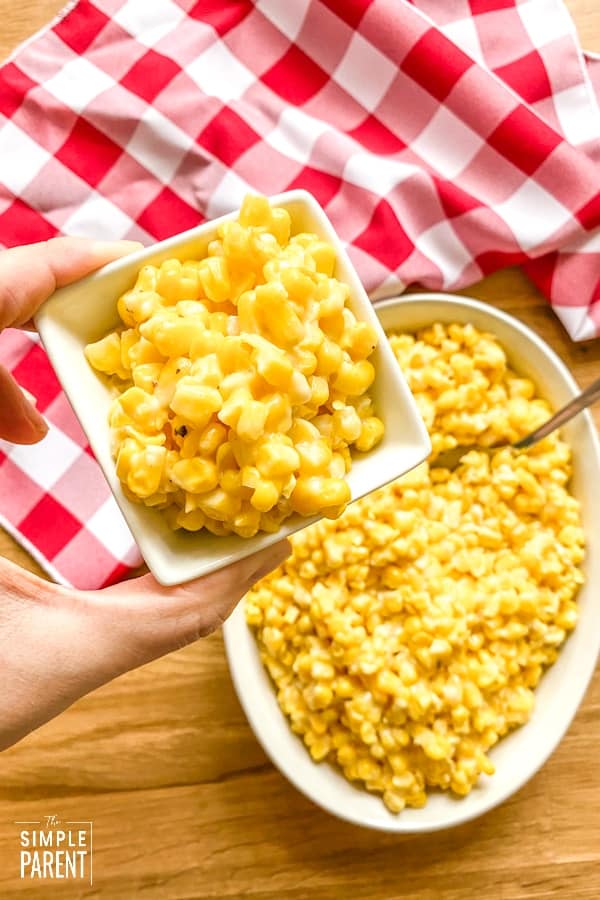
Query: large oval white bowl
x=518, y=756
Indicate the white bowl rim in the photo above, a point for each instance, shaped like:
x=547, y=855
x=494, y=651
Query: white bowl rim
x=527, y=772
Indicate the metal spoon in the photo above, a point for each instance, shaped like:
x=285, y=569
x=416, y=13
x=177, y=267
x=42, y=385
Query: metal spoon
x=449, y=459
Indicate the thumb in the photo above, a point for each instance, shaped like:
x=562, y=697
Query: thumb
x=70, y=642
x=20, y=423
x=142, y=619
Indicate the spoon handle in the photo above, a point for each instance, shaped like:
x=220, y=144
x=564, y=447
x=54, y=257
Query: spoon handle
x=574, y=406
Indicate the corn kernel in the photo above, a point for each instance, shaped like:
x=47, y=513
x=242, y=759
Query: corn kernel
x=195, y=475
x=230, y=363
x=370, y=435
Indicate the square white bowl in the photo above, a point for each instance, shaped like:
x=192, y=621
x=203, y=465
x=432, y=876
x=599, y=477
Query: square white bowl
x=85, y=311
x=521, y=753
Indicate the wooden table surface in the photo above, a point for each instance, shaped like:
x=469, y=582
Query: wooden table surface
x=185, y=804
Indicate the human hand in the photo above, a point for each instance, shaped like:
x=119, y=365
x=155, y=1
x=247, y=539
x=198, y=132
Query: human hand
x=28, y=276
x=58, y=643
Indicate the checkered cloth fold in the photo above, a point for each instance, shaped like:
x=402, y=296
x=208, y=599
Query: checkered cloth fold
x=444, y=138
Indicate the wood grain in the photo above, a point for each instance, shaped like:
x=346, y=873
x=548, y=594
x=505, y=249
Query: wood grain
x=186, y=805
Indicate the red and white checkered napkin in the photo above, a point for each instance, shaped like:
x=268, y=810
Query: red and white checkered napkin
x=445, y=139
x=53, y=498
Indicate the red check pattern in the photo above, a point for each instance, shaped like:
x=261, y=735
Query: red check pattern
x=444, y=138
x=52, y=496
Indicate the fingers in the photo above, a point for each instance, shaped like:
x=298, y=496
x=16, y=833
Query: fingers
x=239, y=576
x=20, y=423
x=30, y=274
x=153, y=620
x=203, y=594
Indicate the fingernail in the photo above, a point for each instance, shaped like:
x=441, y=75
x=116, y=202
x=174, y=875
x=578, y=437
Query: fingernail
x=273, y=558
x=36, y=420
x=282, y=551
x=116, y=248
x=30, y=397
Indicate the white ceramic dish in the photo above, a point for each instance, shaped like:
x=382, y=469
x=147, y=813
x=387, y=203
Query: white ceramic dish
x=87, y=310
x=518, y=756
